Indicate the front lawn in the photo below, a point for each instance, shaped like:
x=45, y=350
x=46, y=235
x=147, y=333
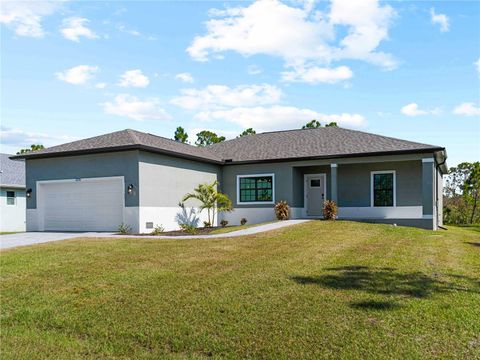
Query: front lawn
x=314, y=290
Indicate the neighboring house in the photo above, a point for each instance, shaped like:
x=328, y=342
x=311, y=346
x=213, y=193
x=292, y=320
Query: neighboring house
x=139, y=179
x=12, y=194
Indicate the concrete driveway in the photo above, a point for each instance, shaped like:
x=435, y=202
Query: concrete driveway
x=30, y=238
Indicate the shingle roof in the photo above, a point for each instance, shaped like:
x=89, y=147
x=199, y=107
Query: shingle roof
x=12, y=172
x=123, y=140
x=323, y=142
x=312, y=143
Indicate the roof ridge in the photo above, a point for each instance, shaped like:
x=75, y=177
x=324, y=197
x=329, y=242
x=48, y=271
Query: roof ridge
x=387, y=137
x=132, y=134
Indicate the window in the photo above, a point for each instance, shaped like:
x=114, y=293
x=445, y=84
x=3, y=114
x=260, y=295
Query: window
x=383, y=188
x=315, y=183
x=10, y=197
x=255, y=189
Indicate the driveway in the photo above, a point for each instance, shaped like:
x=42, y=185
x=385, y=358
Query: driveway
x=31, y=238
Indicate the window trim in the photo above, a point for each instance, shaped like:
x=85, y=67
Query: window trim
x=372, y=174
x=14, y=197
x=255, y=202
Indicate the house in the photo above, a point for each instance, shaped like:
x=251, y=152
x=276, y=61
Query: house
x=138, y=179
x=12, y=194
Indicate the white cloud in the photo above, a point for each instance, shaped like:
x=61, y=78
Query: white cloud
x=467, y=109
x=265, y=27
x=15, y=137
x=185, y=77
x=221, y=96
x=440, y=19
x=74, y=28
x=77, y=75
x=477, y=65
x=275, y=117
x=25, y=17
x=317, y=74
x=130, y=106
x=254, y=70
x=414, y=110
x=124, y=29
x=133, y=78
x=101, y=85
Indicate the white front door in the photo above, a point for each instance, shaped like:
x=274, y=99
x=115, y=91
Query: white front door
x=314, y=194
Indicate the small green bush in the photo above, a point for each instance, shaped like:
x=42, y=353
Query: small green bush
x=158, y=230
x=224, y=223
x=206, y=224
x=243, y=221
x=282, y=210
x=330, y=210
x=124, y=229
x=190, y=229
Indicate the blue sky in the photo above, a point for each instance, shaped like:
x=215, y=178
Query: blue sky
x=71, y=70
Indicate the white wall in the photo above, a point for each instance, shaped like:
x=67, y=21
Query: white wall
x=12, y=217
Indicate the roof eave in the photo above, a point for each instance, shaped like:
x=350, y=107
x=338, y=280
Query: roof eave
x=32, y=155
x=339, y=156
x=12, y=186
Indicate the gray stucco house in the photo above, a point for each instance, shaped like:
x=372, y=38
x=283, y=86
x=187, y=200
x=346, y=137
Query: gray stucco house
x=12, y=194
x=138, y=179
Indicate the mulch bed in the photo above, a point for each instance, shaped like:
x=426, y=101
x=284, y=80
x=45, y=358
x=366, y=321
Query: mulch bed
x=200, y=231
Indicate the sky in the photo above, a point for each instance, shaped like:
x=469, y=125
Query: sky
x=405, y=69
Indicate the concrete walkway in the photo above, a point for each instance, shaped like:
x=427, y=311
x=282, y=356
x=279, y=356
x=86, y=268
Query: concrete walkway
x=31, y=238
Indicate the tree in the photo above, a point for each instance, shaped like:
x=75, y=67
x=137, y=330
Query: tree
x=248, y=131
x=211, y=199
x=33, y=147
x=332, y=124
x=314, y=124
x=206, y=137
x=181, y=135
x=471, y=189
x=462, y=193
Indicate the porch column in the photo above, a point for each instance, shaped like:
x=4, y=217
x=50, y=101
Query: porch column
x=427, y=187
x=333, y=186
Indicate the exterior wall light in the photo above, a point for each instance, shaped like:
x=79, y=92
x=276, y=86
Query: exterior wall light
x=130, y=188
x=29, y=192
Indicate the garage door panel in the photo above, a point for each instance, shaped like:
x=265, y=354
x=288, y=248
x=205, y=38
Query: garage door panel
x=87, y=205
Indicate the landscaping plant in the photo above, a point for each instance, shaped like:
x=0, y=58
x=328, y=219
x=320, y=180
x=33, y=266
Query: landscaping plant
x=224, y=223
x=124, y=229
x=190, y=229
x=330, y=210
x=211, y=199
x=158, y=230
x=243, y=221
x=282, y=210
x=206, y=224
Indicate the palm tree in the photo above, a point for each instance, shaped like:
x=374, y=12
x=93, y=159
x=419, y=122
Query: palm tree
x=211, y=199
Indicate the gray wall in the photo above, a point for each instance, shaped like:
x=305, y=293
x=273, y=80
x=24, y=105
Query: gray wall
x=283, y=180
x=164, y=180
x=123, y=163
x=354, y=182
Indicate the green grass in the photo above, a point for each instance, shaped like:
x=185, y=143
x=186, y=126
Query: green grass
x=336, y=290
x=228, y=229
x=9, y=232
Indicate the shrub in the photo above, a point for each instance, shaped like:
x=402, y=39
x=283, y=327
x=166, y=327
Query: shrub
x=224, y=223
x=124, y=229
x=329, y=210
x=190, y=229
x=282, y=210
x=206, y=224
x=158, y=230
x=243, y=221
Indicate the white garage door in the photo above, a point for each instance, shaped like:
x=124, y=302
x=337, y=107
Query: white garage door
x=82, y=205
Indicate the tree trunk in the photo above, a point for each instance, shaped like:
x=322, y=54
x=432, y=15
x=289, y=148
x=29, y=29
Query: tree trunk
x=474, y=209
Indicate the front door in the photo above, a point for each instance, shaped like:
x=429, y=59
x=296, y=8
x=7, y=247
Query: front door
x=314, y=194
